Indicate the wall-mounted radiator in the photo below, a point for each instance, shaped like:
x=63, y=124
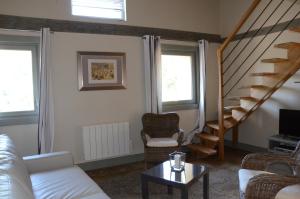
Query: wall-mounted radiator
x=105, y=141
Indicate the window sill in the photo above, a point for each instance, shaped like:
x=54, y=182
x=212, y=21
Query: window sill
x=18, y=120
x=169, y=108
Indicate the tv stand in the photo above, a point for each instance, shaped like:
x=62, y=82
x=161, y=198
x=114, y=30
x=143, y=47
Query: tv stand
x=282, y=144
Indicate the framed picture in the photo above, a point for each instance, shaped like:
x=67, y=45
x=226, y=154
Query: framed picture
x=101, y=70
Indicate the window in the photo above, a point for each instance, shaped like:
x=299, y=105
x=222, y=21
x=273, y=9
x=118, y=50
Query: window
x=18, y=80
x=179, y=77
x=109, y=9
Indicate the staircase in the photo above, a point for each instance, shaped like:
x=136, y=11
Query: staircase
x=234, y=77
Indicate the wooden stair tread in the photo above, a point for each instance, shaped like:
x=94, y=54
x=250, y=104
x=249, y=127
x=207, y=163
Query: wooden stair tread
x=249, y=98
x=288, y=45
x=240, y=109
x=209, y=137
x=234, y=98
x=262, y=87
x=227, y=115
x=212, y=125
x=274, y=60
x=295, y=29
x=228, y=123
x=231, y=107
x=202, y=149
x=264, y=74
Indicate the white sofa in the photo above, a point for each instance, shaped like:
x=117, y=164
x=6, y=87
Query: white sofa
x=47, y=176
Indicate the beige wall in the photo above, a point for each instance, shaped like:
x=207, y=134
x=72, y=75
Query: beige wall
x=24, y=137
x=263, y=123
x=231, y=12
x=74, y=109
x=191, y=15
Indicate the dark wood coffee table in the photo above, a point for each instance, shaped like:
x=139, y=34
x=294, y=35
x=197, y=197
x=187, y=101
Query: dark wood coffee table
x=162, y=174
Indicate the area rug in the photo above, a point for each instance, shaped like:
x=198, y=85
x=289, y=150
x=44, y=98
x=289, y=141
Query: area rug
x=223, y=185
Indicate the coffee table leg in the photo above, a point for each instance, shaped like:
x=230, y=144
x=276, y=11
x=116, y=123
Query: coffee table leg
x=184, y=193
x=170, y=190
x=206, y=186
x=145, y=192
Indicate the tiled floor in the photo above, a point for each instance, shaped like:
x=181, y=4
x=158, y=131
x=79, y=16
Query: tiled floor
x=232, y=156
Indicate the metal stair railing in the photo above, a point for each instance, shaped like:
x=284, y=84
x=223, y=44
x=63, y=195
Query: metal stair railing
x=224, y=69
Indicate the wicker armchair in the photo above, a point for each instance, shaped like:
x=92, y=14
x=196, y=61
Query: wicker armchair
x=263, y=175
x=163, y=128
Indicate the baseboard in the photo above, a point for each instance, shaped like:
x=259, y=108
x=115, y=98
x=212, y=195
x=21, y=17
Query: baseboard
x=245, y=147
x=111, y=162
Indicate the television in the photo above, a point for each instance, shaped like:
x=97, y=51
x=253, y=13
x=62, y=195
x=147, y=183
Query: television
x=289, y=123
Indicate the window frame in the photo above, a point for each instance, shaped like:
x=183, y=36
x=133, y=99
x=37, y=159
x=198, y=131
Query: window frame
x=171, y=49
x=23, y=43
x=95, y=18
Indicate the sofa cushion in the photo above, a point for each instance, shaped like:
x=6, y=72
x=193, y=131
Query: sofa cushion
x=11, y=188
x=289, y=192
x=65, y=183
x=162, y=142
x=11, y=164
x=245, y=175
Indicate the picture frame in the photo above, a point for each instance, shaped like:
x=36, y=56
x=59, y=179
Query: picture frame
x=101, y=70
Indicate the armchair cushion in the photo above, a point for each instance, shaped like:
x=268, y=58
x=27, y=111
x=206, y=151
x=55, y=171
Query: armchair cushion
x=289, y=192
x=162, y=142
x=245, y=175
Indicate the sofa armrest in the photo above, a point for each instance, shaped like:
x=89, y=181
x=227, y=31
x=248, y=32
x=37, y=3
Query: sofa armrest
x=259, y=161
x=143, y=135
x=268, y=185
x=48, y=161
x=180, y=137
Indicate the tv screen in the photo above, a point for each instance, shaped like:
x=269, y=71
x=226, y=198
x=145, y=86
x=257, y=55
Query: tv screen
x=289, y=123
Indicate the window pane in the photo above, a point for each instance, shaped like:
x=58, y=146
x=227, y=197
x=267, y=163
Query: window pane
x=97, y=12
x=176, y=78
x=112, y=9
x=16, y=82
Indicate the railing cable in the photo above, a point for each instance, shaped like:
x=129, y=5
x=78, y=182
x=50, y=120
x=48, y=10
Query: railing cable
x=248, y=30
x=264, y=51
x=256, y=32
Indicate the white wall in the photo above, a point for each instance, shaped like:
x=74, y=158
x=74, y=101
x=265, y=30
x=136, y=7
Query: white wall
x=24, y=137
x=191, y=15
x=74, y=109
x=263, y=122
x=231, y=12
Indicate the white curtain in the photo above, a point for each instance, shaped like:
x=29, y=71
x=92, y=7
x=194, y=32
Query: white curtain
x=152, y=59
x=46, y=116
x=202, y=45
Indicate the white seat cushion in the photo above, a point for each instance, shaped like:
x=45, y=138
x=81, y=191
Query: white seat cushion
x=289, y=192
x=162, y=142
x=245, y=175
x=65, y=183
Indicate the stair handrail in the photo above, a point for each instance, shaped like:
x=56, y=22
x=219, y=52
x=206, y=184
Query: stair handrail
x=220, y=51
